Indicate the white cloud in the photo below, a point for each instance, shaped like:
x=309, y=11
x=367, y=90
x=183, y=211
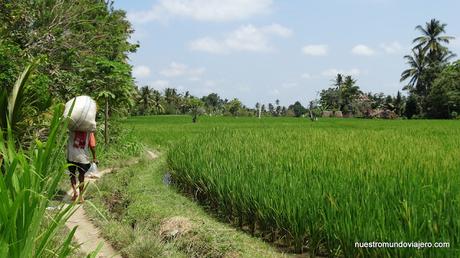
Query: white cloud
x=208, y=45
x=315, y=50
x=182, y=70
x=277, y=30
x=160, y=84
x=246, y=38
x=333, y=72
x=203, y=10
x=141, y=71
x=306, y=76
x=391, y=48
x=362, y=50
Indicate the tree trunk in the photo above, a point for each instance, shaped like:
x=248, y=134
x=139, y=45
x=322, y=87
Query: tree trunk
x=106, y=126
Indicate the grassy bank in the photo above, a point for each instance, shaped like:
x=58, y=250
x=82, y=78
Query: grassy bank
x=144, y=217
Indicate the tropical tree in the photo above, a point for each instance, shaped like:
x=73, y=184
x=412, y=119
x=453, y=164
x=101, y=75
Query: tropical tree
x=172, y=99
x=341, y=95
x=432, y=39
x=157, y=102
x=429, y=57
x=234, y=106
x=212, y=102
x=277, y=108
x=444, y=98
x=195, y=106
x=398, y=104
x=111, y=84
x=330, y=98
x=258, y=109
x=348, y=92
x=411, y=108
x=263, y=110
x=278, y=111
x=298, y=109
x=271, y=109
x=417, y=66
x=145, y=100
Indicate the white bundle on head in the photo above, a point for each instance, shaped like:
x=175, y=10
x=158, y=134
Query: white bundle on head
x=83, y=116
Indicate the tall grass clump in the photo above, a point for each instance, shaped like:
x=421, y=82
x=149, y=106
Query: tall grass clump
x=28, y=182
x=321, y=187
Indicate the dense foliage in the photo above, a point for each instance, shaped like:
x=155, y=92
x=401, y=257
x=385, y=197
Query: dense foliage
x=82, y=48
x=429, y=67
x=51, y=51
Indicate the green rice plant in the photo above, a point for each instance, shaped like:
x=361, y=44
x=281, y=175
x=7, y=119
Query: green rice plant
x=324, y=186
x=28, y=182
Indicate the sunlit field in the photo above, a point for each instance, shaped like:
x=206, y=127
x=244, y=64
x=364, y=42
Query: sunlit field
x=321, y=186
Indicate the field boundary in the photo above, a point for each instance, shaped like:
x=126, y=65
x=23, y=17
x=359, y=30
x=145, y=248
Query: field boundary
x=88, y=235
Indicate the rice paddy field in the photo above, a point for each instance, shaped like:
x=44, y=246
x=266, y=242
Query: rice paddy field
x=320, y=187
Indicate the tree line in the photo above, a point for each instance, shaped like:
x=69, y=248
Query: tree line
x=433, y=82
x=77, y=48
x=432, y=91
x=170, y=102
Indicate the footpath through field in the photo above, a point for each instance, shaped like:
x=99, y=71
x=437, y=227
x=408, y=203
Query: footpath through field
x=87, y=234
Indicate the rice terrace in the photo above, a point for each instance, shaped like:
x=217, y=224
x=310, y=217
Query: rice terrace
x=229, y=128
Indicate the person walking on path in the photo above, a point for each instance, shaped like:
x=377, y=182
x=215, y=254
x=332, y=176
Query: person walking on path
x=79, y=146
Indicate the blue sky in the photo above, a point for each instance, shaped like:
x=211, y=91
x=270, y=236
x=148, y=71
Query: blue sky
x=263, y=50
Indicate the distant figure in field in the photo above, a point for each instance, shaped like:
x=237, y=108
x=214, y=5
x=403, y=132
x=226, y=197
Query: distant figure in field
x=79, y=146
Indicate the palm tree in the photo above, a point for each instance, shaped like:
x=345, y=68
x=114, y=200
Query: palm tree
x=156, y=102
x=432, y=39
x=348, y=92
x=145, y=99
x=171, y=96
x=338, y=81
x=417, y=66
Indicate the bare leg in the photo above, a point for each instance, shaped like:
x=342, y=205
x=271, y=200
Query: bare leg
x=81, y=186
x=73, y=183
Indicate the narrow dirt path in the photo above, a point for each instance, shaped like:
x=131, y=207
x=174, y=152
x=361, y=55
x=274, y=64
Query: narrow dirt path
x=87, y=234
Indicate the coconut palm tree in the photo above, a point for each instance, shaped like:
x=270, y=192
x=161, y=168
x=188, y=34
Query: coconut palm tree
x=348, y=92
x=432, y=39
x=157, y=105
x=417, y=66
x=145, y=100
x=338, y=81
